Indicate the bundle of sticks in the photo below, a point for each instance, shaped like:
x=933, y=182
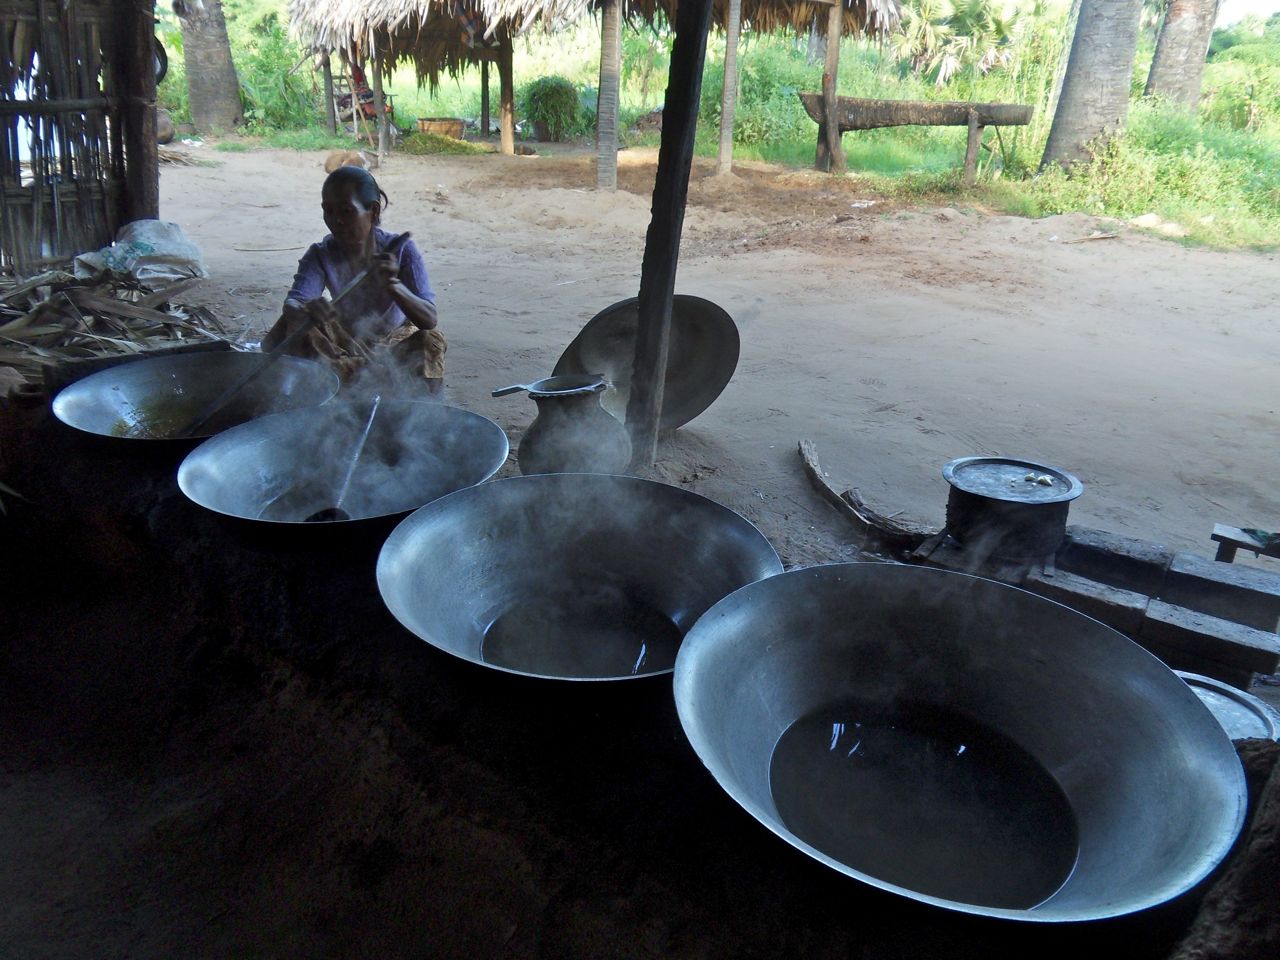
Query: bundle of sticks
x=55, y=317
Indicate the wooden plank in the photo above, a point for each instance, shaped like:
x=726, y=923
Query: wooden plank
x=662, y=243
x=1211, y=638
x=858, y=113
x=1248, y=595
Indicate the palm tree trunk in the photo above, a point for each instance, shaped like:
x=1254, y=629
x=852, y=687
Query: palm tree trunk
x=1178, y=65
x=607, y=95
x=1095, y=93
x=729, y=96
x=212, y=85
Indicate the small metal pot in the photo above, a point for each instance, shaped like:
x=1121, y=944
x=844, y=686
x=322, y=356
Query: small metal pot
x=1011, y=509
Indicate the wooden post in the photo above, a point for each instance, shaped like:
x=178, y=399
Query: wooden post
x=330, y=111
x=971, y=149
x=136, y=86
x=484, y=98
x=379, y=102
x=729, y=95
x=662, y=243
x=835, y=150
x=507, y=94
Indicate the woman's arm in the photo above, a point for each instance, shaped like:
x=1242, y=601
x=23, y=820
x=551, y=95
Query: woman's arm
x=407, y=284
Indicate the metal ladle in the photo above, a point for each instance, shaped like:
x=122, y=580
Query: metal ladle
x=334, y=513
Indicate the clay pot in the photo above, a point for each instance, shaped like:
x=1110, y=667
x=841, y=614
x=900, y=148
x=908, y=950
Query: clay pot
x=572, y=433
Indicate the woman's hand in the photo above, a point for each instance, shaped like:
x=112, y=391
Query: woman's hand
x=387, y=270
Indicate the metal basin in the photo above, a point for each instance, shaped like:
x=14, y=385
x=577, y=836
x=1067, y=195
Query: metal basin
x=287, y=467
x=959, y=742
x=702, y=356
x=569, y=576
x=154, y=399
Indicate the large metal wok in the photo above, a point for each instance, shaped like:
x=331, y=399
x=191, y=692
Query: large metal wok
x=570, y=576
x=291, y=466
x=959, y=742
x=155, y=399
x=701, y=359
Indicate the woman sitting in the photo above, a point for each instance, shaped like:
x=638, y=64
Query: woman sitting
x=387, y=320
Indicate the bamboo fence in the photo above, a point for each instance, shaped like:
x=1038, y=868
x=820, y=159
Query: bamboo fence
x=62, y=156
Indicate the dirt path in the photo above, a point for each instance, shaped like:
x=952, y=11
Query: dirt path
x=896, y=339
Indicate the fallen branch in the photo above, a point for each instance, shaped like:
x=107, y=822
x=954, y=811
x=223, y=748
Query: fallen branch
x=901, y=534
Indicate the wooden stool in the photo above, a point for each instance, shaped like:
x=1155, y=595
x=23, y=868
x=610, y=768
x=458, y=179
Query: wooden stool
x=1230, y=539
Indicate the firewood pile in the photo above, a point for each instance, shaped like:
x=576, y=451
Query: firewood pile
x=55, y=317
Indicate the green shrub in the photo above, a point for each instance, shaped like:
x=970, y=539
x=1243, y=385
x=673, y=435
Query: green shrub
x=551, y=102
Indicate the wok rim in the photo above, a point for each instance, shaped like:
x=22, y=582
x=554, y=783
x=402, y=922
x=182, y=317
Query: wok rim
x=404, y=529
x=69, y=392
x=1208, y=860
x=184, y=469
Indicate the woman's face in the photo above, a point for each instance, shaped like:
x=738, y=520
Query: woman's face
x=348, y=220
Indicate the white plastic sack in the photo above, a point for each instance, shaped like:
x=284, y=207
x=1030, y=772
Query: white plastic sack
x=154, y=252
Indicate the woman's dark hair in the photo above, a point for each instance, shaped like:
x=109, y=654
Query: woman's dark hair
x=363, y=187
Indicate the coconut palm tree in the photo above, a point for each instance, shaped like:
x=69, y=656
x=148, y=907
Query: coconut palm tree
x=607, y=95
x=212, y=86
x=1178, y=65
x=1095, y=91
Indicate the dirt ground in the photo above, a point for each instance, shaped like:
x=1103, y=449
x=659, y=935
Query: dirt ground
x=897, y=339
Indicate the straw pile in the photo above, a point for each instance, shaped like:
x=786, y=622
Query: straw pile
x=54, y=317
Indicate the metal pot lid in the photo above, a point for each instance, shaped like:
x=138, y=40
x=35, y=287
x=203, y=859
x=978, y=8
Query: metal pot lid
x=1015, y=481
x=701, y=360
x=1241, y=714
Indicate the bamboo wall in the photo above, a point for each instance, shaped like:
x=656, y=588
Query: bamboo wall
x=62, y=150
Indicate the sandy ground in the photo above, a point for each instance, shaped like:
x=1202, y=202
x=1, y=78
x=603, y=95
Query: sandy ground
x=895, y=338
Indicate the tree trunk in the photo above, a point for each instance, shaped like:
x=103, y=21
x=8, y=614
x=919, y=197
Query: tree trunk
x=830, y=149
x=379, y=104
x=607, y=95
x=1178, y=65
x=506, y=95
x=330, y=109
x=212, y=86
x=729, y=96
x=1095, y=93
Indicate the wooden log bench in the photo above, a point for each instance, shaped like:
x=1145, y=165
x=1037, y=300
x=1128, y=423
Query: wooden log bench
x=857, y=113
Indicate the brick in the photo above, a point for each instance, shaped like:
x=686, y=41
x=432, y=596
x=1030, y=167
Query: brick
x=1210, y=638
x=1122, y=609
x=1246, y=595
x=1124, y=562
